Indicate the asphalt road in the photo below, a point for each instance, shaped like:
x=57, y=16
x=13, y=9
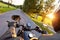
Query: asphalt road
x=7, y=16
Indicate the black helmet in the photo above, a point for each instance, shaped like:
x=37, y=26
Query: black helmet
x=15, y=17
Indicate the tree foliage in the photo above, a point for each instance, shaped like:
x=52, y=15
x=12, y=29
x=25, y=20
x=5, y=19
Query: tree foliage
x=45, y=7
x=41, y=7
x=29, y=5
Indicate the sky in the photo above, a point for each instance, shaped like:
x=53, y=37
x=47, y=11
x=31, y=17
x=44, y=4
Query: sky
x=56, y=3
x=16, y=2
x=20, y=2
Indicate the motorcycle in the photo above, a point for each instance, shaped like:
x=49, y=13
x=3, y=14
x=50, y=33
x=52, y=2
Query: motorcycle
x=29, y=35
x=26, y=32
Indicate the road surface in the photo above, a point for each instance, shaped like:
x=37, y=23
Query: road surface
x=7, y=16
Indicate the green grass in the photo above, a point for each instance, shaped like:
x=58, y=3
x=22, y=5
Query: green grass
x=4, y=8
x=43, y=28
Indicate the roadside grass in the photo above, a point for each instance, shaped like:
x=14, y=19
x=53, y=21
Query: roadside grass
x=43, y=28
x=40, y=24
x=4, y=8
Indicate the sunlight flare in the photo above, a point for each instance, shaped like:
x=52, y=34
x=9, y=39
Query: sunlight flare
x=51, y=16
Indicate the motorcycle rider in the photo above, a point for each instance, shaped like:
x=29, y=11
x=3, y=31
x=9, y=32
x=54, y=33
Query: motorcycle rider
x=17, y=19
x=11, y=32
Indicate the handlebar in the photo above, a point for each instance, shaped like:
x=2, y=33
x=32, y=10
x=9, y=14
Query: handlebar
x=24, y=28
x=14, y=24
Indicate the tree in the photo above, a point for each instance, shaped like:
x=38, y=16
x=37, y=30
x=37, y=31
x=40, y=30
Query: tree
x=29, y=5
x=21, y=7
x=45, y=8
x=41, y=7
x=9, y=1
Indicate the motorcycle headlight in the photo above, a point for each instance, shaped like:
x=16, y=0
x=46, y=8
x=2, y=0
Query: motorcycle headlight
x=30, y=35
x=34, y=38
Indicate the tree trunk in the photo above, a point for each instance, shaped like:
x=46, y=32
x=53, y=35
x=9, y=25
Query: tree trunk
x=8, y=3
x=43, y=18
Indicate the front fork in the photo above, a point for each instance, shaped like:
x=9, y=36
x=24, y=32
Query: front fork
x=26, y=33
